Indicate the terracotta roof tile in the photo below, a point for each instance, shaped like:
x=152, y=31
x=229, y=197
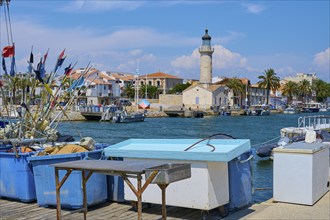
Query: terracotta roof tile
x=159, y=75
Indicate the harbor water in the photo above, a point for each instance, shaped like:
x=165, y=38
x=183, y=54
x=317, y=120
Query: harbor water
x=259, y=129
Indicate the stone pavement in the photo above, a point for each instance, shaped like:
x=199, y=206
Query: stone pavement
x=278, y=210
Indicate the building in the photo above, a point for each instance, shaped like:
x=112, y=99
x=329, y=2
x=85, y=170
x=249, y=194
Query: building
x=257, y=95
x=203, y=93
x=98, y=88
x=301, y=76
x=163, y=81
x=206, y=52
x=199, y=96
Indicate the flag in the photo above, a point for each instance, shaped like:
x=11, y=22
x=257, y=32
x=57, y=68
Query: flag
x=59, y=63
x=12, y=67
x=37, y=72
x=77, y=84
x=68, y=70
x=8, y=51
x=81, y=82
x=49, y=90
x=41, y=69
x=31, y=57
x=25, y=106
x=30, y=62
x=45, y=57
x=4, y=66
x=61, y=55
x=60, y=60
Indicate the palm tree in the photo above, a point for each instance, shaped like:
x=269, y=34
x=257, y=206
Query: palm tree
x=321, y=89
x=269, y=81
x=237, y=87
x=129, y=90
x=23, y=84
x=305, y=90
x=290, y=89
x=13, y=84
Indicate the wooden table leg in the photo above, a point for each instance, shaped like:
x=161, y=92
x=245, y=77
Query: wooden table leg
x=163, y=188
x=139, y=197
x=58, y=199
x=84, y=193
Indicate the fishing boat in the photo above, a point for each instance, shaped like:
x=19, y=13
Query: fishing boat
x=291, y=110
x=125, y=117
x=311, y=107
x=318, y=123
x=259, y=110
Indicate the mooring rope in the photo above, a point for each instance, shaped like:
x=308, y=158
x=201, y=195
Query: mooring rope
x=266, y=141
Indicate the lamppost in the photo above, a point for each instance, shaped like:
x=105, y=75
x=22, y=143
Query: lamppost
x=136, y=86
x=146, y=87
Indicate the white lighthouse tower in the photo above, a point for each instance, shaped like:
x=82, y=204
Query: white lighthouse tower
x=206, y=52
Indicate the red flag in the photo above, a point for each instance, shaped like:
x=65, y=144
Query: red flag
x=61, y=55
x=45, y=57
x=8, y=51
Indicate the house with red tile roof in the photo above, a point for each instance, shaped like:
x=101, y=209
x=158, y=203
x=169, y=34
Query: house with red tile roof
x=163, y=81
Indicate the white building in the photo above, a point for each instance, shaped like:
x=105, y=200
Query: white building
x=204, y=94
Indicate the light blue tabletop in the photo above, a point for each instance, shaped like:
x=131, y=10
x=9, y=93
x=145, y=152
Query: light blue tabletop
x=224, y=150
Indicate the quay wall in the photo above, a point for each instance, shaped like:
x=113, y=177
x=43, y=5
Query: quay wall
x=171, y=100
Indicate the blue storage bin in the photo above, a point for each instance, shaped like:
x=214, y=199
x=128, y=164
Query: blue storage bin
x=16, y=177
x=240, y=181
x=115, y=186
x=71, y=191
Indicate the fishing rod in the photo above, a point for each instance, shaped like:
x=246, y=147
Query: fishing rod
x=82, y=75
x=69, y=104
x=49, y=108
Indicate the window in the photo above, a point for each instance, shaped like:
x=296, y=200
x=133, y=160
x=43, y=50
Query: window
x=158, y=83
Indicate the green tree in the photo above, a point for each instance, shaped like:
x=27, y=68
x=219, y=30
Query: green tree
x=178, y=88
x=23, y=84
x=129, y=91
x=13, y=85
x=305, y=90
x=321, y=89
x=237, y=87
x=290, y=89
x=269, y=81
x=152, y=91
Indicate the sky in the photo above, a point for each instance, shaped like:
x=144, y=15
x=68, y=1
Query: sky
x=249, y=37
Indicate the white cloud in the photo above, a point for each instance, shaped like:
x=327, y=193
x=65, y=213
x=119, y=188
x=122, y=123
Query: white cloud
x=254, y=8
x=322, y=59
x=187, y=61
x=84, y=45
x=222, y=59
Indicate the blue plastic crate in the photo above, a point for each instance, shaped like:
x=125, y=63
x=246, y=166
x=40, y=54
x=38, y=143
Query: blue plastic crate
x=115, y=186
x=71, y=191
x=16, y=177
x=240, y=181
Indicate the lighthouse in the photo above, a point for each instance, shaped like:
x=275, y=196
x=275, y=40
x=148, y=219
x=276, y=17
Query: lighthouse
x=206, y=52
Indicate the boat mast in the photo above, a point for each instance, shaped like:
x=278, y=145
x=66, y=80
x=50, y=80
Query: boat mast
x=136, y=85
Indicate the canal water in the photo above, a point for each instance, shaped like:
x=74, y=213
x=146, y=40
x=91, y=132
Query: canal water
x=258, y=129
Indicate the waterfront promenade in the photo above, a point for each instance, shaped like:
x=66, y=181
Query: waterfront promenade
x=265, y=210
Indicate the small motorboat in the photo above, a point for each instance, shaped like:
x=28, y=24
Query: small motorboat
x=267, y=149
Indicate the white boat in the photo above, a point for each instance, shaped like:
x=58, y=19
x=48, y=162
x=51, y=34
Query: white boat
x=124, y=117
x=318, y=123
x=259, y=110
x=324, y=108
x=291, y=110
x=311, y=107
